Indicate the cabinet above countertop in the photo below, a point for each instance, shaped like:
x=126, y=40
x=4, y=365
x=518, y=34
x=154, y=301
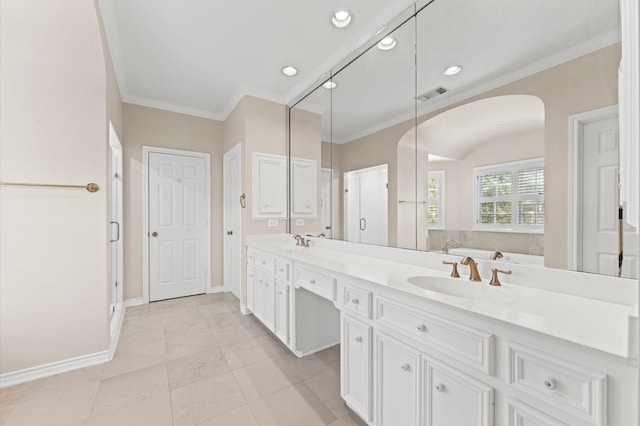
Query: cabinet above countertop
x=604, y=325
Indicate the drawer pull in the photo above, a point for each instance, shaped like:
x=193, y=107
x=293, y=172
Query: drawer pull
x=260, y=281
x=279, y=292
x=264, y=262
x=422, y=328
x=440, y=387
x=406, y=367
x=550, y=384
x=355, y=301
x=359, y=339
x=312, y=281
x=281, y=270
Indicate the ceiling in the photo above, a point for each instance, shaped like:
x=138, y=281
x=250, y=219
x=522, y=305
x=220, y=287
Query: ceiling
x=200, y=57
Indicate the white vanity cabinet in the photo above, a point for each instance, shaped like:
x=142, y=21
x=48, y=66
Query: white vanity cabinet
x=451, y=397
x=268, y=291
x=397, y=388
x=407, y=359
x=356, y=358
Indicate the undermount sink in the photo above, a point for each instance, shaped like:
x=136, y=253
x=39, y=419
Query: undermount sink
x=459, y=287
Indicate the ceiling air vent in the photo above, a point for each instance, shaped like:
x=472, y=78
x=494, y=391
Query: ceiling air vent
x=432, y=94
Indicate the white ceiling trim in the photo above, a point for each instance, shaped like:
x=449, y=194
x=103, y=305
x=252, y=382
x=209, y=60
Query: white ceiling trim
x=168, y=106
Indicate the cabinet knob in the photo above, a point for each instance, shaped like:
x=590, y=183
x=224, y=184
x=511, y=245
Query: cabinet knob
x=550, y=384
x=359, y=339
x=261, y=281
x=355, y=301
x=264, y=262
x=422, y=328
x=279, y=292
x=406, y=367
x=281, y=270
x=312, y=281
x=439, y=387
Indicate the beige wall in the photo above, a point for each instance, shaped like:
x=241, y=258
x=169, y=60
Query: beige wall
x=260, y=126
x=53, y=250
x=157, y=128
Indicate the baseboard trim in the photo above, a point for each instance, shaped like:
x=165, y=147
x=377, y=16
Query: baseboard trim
x=216, y=289
x=45, y=370
x=134, y=302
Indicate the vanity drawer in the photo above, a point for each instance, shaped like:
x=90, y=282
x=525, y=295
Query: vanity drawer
x=283, y=269
x=356, y=300
x=468, y=345
x=316, y=282
x=574, y=389
x=265, y=261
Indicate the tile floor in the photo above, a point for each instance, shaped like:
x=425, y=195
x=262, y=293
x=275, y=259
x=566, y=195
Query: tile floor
x=190, y=361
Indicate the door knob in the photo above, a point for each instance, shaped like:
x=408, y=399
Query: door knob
x=154, y=234
x=229, y=232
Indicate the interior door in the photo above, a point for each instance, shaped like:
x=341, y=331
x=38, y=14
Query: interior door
x=177, y=225
x=115, y=219
x=599, y=206
x=232, y=220
x=326, y=204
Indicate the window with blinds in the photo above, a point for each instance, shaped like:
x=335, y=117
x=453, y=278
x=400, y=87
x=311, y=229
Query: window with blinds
x=435, y=199
x=510, y=196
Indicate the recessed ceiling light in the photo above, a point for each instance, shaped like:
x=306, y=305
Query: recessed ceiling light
x=387, y=43
x=289, y=71
x=329, y=85
x=341, y=19
x=452, y=70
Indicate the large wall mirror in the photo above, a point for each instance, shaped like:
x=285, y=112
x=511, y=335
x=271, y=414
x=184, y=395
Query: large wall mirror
x=471, y=128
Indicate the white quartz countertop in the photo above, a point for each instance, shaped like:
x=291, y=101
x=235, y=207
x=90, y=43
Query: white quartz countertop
x=593, y=323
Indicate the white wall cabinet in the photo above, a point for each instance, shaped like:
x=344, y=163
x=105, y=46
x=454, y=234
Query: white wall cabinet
x=304, y=188
x=269, y=186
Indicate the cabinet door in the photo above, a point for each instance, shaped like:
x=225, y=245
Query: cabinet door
x=397, y=369
x=269, y=316
x=250, y=288
x=356, y=351
x=269, y=186
x=452, y=398
x=304, y=188
x=281, y=327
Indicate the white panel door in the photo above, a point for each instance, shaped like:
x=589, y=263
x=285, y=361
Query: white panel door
x=600, y=157
x=326, y=202
x=177, y=226
x=232, y=248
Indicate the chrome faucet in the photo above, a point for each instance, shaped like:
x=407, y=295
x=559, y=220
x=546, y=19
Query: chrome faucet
x=473, y=267
x=445, y=247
